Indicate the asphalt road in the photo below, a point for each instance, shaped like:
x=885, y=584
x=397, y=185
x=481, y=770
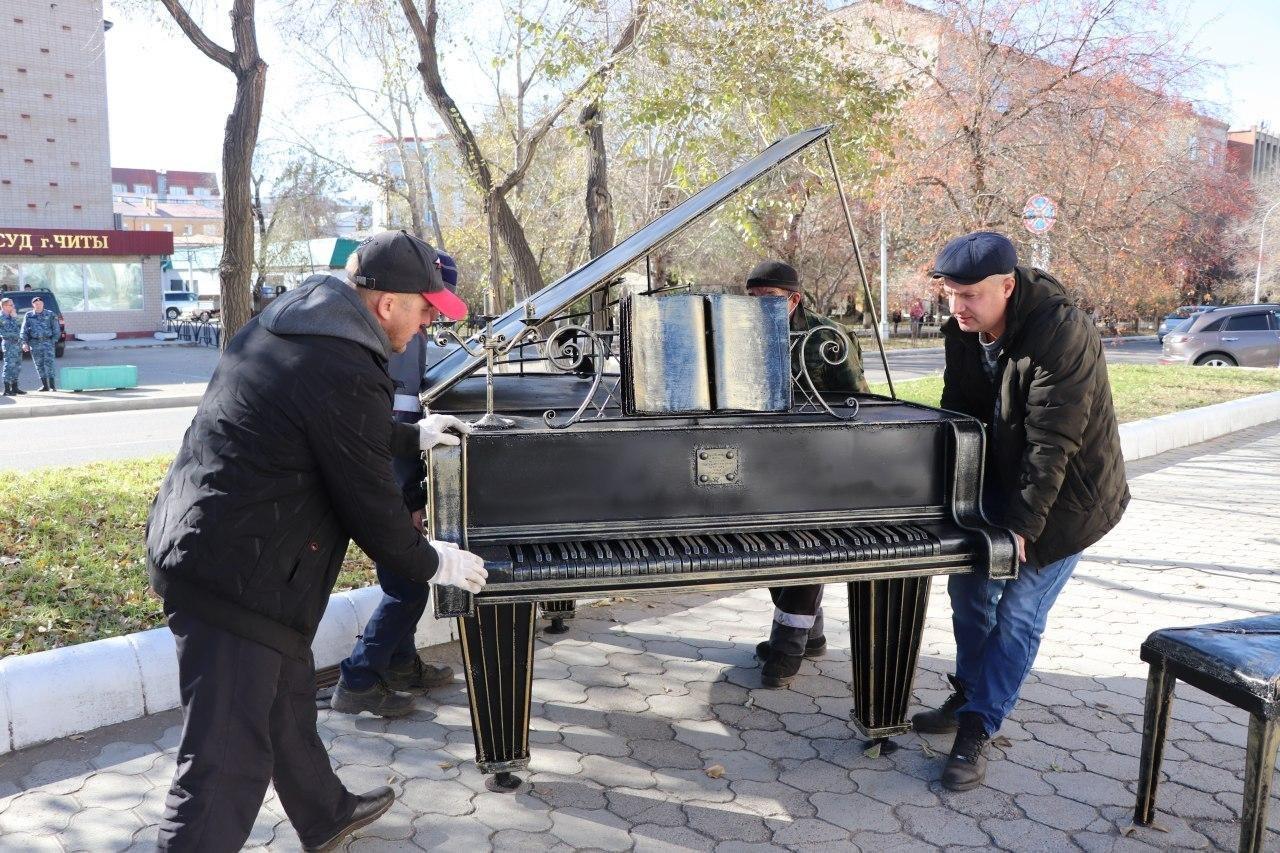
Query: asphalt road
x=27, y=443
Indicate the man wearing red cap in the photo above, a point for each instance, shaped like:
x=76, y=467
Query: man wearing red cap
x=288, y=458
x=384, y=671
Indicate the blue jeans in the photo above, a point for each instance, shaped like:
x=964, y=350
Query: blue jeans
x=387, y=640
x=998, y=625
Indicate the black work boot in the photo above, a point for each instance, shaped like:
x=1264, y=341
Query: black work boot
x=814, y=647
x=16, y=389
x=786, y=651
x=379, y=700
x=44, y=385
x=8, y=390
x=967, y=764
x=52, y=385
x=369, y=807
x=418, y=676
x=941, y=721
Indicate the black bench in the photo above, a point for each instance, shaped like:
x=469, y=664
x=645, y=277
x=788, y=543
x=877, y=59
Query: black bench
x=1239, y=662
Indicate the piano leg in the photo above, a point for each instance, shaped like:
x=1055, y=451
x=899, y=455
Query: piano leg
x=558, y=611
x=886, y=623
x=497, y=656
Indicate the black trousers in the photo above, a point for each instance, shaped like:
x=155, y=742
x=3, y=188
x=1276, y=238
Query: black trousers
x=249, y=718
x=798, y=607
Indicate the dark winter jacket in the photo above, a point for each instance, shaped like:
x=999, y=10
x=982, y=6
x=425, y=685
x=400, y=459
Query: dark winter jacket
x=1054, y=459
x=288, y=457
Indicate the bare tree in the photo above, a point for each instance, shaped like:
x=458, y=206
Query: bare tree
x=505, y=229
x=238, y=143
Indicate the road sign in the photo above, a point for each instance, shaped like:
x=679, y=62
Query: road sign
x=1040, y=214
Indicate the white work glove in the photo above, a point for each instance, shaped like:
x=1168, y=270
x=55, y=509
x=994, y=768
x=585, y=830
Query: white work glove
x=432, y=431
x=458, y=568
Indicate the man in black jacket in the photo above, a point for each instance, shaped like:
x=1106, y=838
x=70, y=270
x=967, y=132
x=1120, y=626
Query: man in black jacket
x=1029, y=364
x=288, y=457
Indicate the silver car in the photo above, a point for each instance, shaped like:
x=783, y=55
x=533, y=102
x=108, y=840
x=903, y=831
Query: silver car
x=1244, y=335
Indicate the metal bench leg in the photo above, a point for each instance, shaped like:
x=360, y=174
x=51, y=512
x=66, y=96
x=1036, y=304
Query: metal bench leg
x=1259, y=764
x=1160, y=684
x=558, y=611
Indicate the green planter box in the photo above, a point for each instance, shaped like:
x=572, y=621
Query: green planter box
x=98, y=378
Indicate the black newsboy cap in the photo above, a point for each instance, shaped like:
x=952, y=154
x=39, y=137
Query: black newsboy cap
x=973, y=257
x=774, y=274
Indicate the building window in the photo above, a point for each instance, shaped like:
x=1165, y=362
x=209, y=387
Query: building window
x=146, y=226
x=168, y=227
x=69, y=76
x=66, y=29
x=209, y=229
x=187, y=229
x=118, y=189
x=177, y=192
x=77, y=207
x=53, y=183
x=141, y=189
x=202, y=192
x=73, y=120
x=88, y=287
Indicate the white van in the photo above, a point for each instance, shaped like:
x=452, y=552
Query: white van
x=177, y=302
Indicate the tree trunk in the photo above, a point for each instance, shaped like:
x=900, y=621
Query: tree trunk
x=525, y=274
x=238, y=143
x=599, y=201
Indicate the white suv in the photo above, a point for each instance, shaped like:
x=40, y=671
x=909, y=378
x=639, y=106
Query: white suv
x=177, y=302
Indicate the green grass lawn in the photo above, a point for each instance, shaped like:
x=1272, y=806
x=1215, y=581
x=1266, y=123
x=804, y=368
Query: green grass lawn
x=71, y=539
x=1140, y=390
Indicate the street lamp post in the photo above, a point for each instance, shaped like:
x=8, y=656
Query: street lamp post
x=1262, y=242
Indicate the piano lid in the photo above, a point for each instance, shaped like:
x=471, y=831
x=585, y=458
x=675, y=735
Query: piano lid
x=557, y=296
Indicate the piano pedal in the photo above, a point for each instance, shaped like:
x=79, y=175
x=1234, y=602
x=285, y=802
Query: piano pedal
x=557, y=626
x=503, y=783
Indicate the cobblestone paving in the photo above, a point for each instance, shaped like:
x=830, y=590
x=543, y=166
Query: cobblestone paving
x=641, y=697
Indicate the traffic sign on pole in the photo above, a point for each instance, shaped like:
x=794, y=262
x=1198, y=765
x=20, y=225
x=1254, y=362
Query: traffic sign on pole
x=1040, y=214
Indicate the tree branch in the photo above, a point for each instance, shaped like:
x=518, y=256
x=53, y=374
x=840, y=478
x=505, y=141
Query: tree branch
x=191, y=29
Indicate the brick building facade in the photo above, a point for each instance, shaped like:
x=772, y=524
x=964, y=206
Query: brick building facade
x=56, y=220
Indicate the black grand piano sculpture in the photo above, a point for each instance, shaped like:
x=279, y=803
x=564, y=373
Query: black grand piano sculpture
x=569, y=494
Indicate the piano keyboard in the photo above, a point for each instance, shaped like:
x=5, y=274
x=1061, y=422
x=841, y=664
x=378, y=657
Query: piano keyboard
x=661, y=555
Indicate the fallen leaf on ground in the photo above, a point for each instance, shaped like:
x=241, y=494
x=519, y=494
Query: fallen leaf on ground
x=446, y=765
x=872, y=751
x=928, y=751
x=1001, y=741
x=715, y=771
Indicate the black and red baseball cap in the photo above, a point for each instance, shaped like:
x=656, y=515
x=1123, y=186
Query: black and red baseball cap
x=398, y=262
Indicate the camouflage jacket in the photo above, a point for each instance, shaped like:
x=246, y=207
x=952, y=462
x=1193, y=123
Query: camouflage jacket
x=40, y=327
x=844, y=378
x=10, y=328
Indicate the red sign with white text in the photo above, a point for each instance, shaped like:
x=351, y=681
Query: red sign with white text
x=80, y=242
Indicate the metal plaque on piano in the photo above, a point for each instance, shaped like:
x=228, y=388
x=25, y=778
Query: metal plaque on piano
x=716, y=466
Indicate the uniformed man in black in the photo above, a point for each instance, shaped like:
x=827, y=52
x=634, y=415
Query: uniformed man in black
x=287, y=459
x=797, y=630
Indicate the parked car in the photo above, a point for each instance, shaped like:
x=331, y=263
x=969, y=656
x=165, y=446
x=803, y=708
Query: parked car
x=178, y=301
x=22, y=302
x=1244, y=335
x=1176, y=316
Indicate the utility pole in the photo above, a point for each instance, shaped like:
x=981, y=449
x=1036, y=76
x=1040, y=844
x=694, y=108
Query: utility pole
x=884, y=278
x=1262, y=242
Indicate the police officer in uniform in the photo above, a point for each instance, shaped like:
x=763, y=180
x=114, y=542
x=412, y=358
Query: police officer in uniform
x=39, y=331
x=288, y=458
x=11, y=341
x=384, y=670
x=797, y=630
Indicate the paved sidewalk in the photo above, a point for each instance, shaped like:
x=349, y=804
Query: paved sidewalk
x=169, y=375
x=641, y=697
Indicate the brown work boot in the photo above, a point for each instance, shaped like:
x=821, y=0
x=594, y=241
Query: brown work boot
x=967, y=764
x=379, y=700
x=941, y=721
x=418, y=676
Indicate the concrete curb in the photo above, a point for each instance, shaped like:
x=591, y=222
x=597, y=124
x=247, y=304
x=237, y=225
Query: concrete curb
x=92, y=406
x=1153, y=436
x=66, y=691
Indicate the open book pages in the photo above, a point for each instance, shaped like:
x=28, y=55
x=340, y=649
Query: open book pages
x=693, y=353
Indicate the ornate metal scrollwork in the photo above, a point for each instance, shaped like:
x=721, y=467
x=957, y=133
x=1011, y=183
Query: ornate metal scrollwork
x=833, y=351
x=491, y=347
x=565, y=352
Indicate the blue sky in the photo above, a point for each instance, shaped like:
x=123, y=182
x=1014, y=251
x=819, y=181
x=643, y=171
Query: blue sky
x=168, y=103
